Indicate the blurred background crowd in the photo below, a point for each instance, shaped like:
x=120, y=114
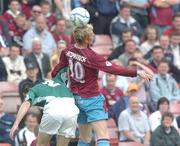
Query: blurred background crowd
x=127, y=32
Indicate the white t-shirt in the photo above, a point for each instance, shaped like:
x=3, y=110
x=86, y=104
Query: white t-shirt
x=155, y=120
x=30, y=136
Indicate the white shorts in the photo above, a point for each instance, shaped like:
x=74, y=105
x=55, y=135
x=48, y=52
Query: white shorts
x=60, y=117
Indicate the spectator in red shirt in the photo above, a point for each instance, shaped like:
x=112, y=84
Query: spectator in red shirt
x=26, y=8
x=18, y=28
x=50, y=17
x=175, y=25
x=161, y=14
x=110, y=91
x=13, y=11
x=59, y=32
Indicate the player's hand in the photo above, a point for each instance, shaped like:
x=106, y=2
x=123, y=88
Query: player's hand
x=145, y=75
x=12, y=131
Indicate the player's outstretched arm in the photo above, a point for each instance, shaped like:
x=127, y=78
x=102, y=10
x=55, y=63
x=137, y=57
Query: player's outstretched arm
x=146, y=73
x=21, y=113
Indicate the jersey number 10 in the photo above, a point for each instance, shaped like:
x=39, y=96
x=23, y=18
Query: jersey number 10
x=77, y=71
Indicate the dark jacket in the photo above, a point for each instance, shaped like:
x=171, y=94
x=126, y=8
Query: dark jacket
x=161, y=138
x=45, y=64
x=6, y=122
x=4, y=32
x=24, y=87
x=115, y=110
x=116, y=52
x=3, y=72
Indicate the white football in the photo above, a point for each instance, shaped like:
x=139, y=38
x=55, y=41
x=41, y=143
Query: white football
x=79, y=17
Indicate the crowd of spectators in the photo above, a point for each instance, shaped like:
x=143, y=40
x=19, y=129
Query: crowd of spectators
x=34, y=32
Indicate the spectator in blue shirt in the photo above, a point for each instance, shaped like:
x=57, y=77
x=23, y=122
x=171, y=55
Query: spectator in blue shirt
x=40, y=30
x=163, y=85
x=6, y=122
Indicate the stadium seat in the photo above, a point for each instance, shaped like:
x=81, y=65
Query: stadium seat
x=175, y=108
x=102, y=40
x=5, y=144
x=130, y=144
x=102, y=45
x=113, y=133
x=10, y=93
x=8, y=87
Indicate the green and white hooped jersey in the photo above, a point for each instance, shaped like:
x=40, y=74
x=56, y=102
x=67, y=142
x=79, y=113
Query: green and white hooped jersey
x=46, y=91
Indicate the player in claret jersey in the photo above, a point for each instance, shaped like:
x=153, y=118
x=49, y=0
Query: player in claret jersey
x=59, y=111
x=84, y=65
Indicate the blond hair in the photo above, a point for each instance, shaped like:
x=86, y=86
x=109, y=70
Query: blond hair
x=82, y=33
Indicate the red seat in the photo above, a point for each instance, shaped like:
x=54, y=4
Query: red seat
x=8, y=87
x=5, y=144
x=10, y=93
x=104, y=50
x=111, y=123
x=113, y=133
x=102, y=40
x=102, y=44
x=175, y=108
x=130, y=144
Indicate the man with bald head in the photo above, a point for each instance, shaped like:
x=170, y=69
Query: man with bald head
x=40, y=59
x=133, y=123
x=39, y=30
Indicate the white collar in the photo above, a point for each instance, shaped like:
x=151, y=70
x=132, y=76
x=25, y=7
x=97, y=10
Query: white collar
x=13, y=14
x=39, y=56
x=130, y=20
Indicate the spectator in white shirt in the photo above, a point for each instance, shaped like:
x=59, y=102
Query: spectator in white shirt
x=155, y=117
x=26, y=135
x=133, y=123
x=15, y=66
x=151, y=39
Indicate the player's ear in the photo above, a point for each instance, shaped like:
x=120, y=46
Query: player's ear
x=87, y=39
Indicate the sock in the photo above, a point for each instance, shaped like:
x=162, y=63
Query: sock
x=83, y=143
x=103, y=142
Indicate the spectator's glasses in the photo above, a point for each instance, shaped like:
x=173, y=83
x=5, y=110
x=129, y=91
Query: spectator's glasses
x=36, y=11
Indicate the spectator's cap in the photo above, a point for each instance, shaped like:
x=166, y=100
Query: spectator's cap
x=31, y=65
x=132, y=87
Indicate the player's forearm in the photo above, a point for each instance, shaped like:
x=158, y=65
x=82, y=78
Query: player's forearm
x=147, y=69
x=22, y=111
x=118, y=70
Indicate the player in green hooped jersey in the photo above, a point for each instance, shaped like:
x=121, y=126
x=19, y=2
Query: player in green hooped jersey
x=59, y=111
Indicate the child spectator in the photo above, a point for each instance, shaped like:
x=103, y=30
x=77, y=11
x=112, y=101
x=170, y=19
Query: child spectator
x=26, y=135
